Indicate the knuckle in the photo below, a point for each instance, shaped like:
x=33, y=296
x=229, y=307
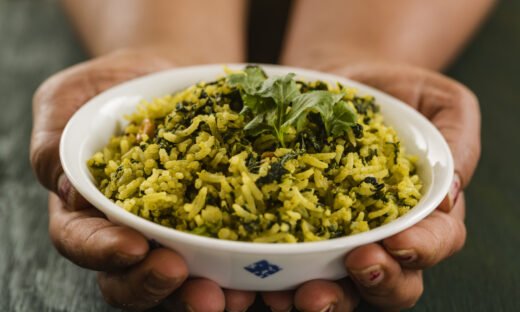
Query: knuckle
x=72, y=86
x=112, y=296
x=62, y=248
x=56, y=241
x=413, y=297
x=108, y=296
x=419, y=290
x=36, y=156
x=465, y=95
x=65, y=240
x=152, y=292
x=51, y=87
x=410, y=303
x=446, y=238
x=45, y=87
x=460, y=238
x=431, y=254
x=43, y=161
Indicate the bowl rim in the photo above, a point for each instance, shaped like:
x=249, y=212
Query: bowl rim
x=146, y=226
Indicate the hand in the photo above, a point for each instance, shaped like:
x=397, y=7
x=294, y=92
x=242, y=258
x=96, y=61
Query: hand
x=131, y=276
x=389, y=275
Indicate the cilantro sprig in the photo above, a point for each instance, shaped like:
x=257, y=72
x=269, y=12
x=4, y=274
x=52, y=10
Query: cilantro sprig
x=276, y=104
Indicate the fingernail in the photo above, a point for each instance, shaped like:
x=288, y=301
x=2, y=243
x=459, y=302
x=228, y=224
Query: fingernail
x=188, y=308
x=370, y=276
x=123, y=259
x=72, y=199
x=329, y=308
x=64, y=187
x=288, y=310
x=404, y=255
x=453, y=193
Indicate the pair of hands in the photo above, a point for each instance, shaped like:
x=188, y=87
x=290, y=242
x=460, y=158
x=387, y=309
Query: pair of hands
x=135, y=277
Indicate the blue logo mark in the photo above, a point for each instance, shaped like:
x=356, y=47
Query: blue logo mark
x=263, y=268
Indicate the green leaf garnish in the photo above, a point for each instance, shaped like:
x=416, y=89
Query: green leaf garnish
x=277, y=104
x=250, y=81
x=336, y=115
x=343, y=117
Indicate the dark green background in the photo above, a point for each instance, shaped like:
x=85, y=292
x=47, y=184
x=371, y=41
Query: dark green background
x=36, y=41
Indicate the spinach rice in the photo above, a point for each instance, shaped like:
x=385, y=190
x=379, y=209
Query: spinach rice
x=236, y=160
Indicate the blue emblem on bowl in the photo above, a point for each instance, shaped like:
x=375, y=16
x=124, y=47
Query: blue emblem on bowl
x=263, y=268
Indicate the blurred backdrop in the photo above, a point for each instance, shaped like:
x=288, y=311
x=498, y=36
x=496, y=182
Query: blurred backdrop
x=36, y=41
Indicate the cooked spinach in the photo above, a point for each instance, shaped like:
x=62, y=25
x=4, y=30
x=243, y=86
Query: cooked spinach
x=253, y=163
x=363, y=105
x=181, y=107
x=97, y=165
x=275, y=173
x=309, y=142
x=396, y=146
x=358, y=130
x=371, y=154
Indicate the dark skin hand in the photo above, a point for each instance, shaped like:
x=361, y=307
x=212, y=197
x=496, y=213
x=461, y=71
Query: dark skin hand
x=136, y=278
x=389, y=275
x=131, y=275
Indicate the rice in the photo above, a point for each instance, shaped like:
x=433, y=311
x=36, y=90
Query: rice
x=184, y=161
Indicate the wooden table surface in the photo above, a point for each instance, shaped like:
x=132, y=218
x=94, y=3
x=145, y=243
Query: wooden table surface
x=36, y=41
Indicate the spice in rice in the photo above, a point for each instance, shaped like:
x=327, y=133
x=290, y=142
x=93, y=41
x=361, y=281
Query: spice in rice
x=191, y=162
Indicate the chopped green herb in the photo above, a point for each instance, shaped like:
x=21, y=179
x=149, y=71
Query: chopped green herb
x=275, y=173
x=276, y=104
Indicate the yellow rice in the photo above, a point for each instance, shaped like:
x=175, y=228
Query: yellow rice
x=185, y=162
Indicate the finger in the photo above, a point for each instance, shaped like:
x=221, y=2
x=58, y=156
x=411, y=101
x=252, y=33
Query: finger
x=433, y=239
x=146, y=284
x=197, y=295
x=380, y=279
x=238, y=300
x=89, y=240
x=451, y=107
x=326, y=296
x=279, y=301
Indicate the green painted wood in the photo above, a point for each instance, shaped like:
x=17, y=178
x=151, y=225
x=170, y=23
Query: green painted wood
x=36, y=41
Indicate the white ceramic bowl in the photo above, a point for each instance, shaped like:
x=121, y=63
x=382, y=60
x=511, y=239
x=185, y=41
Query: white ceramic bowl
x=244, y=265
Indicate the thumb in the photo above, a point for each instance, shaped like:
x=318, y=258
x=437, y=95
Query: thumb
x=60, y=96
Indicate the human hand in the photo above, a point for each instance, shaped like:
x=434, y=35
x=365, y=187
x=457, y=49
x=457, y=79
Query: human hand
x=131, y=275
x=389, y=275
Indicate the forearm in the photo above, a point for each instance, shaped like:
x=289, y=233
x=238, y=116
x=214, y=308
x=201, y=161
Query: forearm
x=190, y=31
x=331, y=33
